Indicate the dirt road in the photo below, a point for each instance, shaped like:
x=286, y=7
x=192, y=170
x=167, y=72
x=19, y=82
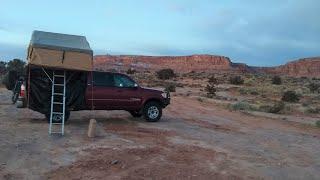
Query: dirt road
x=194, y=140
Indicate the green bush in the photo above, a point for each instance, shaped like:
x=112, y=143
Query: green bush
x=16, y=65
x=13, y=70
x=211, y=90
x=314, y=87
x=277, y=107
x=213, y=80
x=290, y=96
x=243, y=105
x=318, y=124
x=276, y=80
x=247, y=91
x=170, y=87
x=165, y=74
x=131, y=71
x=9, y=79
x=3, y=67
x=200, y=99
x=250, y=82
x=264, y=108
x=236, y=80
x=310, y=110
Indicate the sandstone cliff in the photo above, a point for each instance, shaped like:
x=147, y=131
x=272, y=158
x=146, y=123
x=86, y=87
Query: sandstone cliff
x=178, y=63
x=309, y=67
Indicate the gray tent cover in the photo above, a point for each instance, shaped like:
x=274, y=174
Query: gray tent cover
x=63, y=42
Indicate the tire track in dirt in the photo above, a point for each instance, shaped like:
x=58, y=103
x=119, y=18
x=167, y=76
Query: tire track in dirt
x=157, y=158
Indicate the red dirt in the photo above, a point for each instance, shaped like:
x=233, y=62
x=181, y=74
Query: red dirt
x=159, y=160
x=193, y=140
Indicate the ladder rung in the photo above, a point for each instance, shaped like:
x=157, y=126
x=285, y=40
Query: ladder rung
x=57, y=103
x=56, y=132
x=56, y=123
x=57, y=113
x=58, y=84
x=61, y=94
x=58, y=75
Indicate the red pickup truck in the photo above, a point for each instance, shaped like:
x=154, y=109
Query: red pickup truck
x=116, y=91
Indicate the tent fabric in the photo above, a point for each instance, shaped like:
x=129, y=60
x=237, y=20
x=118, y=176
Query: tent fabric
x=62, y=42
x=60, y=51
x=60, y=59
x=40, y=89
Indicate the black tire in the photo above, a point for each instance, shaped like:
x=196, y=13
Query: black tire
x=135, y=114
x=20, y=104
x=152, y=111
x=59, y=120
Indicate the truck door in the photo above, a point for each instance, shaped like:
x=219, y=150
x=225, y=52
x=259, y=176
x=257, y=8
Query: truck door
x=103, y=91
x=128, y=93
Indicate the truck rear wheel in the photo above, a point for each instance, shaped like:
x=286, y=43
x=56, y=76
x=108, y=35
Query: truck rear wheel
x=152, y=111
x=58, y=118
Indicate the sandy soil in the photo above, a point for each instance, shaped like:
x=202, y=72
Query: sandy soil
x=193, y=140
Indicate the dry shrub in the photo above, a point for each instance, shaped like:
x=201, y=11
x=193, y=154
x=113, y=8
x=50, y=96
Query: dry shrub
x=276, y=80
x=242, y=105
x=314, y=87
x=210, y=88
x=170, y=87
x=311, y=110
x=248, y=91
x=131, y=71
x=277, y=107
x=290, y=96
x=213, y=80
x=165, y=74
x=236, y=80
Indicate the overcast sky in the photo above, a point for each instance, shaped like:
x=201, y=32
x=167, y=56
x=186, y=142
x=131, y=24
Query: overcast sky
x=256, y=32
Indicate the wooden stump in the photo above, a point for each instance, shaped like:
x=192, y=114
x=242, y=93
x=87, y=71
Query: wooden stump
x=92, y=128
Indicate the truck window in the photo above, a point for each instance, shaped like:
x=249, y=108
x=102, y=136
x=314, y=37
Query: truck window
x=103, y=79
x=123, y=81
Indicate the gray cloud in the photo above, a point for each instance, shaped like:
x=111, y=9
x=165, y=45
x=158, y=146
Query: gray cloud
x=270, y=34
x=255, y=32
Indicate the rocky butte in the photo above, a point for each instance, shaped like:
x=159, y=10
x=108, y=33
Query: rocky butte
x=309, y=67
x=178, y=63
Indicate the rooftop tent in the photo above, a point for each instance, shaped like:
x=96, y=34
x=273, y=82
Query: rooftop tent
x=60, y=51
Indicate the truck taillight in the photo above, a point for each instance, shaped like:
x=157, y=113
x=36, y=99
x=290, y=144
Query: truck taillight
x=22, y=91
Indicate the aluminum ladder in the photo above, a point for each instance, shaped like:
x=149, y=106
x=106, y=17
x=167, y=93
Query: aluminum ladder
x=58, y=102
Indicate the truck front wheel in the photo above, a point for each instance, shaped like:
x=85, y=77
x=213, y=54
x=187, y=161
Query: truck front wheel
x=152, y=111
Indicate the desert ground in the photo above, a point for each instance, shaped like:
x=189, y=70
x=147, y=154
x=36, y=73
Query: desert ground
x=197, y=138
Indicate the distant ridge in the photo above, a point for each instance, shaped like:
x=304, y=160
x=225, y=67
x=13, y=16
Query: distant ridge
x=309, y=67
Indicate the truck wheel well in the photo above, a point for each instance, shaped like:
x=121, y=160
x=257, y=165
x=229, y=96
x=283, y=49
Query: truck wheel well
x=153, y=100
